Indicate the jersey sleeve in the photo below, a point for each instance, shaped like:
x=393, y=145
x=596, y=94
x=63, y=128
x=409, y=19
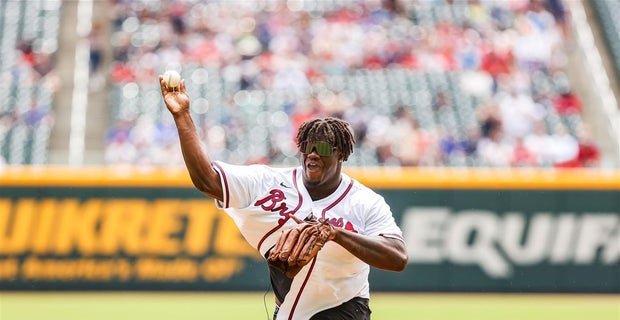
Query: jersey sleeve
x=241, y=184
x=378, y=218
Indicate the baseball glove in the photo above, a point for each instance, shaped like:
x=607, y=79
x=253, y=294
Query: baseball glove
x=296, y=247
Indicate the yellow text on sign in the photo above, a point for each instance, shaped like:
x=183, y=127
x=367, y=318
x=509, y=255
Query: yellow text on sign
x=132, y=227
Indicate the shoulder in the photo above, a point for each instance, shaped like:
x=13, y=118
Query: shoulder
x=254, y=174
x=362, y=195
x=368, y=210
x=252, y=169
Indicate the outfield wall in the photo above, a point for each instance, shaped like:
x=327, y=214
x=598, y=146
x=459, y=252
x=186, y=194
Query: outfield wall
x=466, y=230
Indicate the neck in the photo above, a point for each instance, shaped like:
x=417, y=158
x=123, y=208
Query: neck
x=320, y=191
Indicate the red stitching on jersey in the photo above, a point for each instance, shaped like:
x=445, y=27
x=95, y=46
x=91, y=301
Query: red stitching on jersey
x=227, y=195
x=337, y=200
x=301, y=200
x=393, y=236
x=301, y=290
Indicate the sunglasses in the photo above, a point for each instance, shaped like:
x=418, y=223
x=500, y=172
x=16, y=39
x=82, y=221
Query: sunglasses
x=323, y=149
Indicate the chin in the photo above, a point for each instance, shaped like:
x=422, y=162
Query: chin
x=313, y=179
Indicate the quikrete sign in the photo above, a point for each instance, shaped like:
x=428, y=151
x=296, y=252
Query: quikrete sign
x=466, y=232
x=132, y=227
x=118, y=240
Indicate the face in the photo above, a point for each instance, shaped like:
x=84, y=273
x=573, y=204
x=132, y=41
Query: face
x=321, y=163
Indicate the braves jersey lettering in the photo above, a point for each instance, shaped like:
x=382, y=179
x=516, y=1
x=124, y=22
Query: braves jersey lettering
x=275, y=196
x=270, y=203
x=339, y=223
x=261, y=207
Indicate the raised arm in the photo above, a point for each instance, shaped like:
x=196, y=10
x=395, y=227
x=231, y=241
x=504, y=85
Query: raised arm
x=198, y=164
x=378, y=251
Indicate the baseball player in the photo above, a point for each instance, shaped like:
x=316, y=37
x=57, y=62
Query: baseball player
x=266, y=202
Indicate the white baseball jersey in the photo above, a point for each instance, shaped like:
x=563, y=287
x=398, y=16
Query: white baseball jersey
x=260, y=200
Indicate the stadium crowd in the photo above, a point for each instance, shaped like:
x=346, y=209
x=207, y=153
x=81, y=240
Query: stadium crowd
x=508, y=56
x=26, y=115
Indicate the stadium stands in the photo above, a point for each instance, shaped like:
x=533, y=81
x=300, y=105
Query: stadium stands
x=416, y=80
x=28, y=41
x=424, y=83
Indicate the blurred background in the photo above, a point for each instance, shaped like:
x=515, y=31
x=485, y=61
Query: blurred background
x=425, y=83
x=491, y=127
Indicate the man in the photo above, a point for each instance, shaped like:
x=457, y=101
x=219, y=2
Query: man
x=262, y=199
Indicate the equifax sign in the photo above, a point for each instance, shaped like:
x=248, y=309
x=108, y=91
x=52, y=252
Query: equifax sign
x=499, y=242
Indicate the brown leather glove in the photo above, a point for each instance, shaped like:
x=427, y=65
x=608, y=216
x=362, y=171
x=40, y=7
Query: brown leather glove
x=296, y=247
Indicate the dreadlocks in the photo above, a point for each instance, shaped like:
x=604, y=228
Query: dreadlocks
x=332, y=130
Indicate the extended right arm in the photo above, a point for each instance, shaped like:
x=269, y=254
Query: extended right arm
x=198, y=164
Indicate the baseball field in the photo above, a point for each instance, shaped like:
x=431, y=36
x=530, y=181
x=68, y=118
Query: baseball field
x=233, y=306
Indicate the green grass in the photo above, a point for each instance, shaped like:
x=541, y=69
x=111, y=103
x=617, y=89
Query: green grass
x=496, y=307
x=233, y=306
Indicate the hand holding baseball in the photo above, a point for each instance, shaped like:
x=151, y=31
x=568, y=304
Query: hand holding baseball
x=175, y=97
x=172, y=79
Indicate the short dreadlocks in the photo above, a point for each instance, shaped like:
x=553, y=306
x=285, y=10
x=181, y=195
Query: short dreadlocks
x=332, y=130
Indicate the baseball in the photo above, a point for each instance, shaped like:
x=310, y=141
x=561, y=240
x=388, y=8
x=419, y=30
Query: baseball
x=172, y=78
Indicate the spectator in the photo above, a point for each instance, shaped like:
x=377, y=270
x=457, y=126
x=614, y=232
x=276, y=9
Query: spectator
x=43, y=64
x=95, y=39
x=441, y=101
x=494, y=150
x=564, y=147
x=537, y=37
x=405, y=137
x=522, y=157
x=539, y=145
x=27, y=53
x=497, y=62
x=452, y=148
x=567, y=103
x=518, y=112
x=470, y=144
x=589, y=154
x=37, y=114
x=488, y=117
x=96, y=48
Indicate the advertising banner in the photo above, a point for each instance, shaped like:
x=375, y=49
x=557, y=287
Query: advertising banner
x=477, y=232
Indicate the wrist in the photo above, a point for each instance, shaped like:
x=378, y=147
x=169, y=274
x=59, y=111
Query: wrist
x=180, y=115
x=336, y=234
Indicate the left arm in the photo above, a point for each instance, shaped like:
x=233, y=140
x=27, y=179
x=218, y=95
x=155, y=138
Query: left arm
x=377, y=251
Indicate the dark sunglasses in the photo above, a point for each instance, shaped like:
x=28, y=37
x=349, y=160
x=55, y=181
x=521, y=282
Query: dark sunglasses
x=323, y=149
